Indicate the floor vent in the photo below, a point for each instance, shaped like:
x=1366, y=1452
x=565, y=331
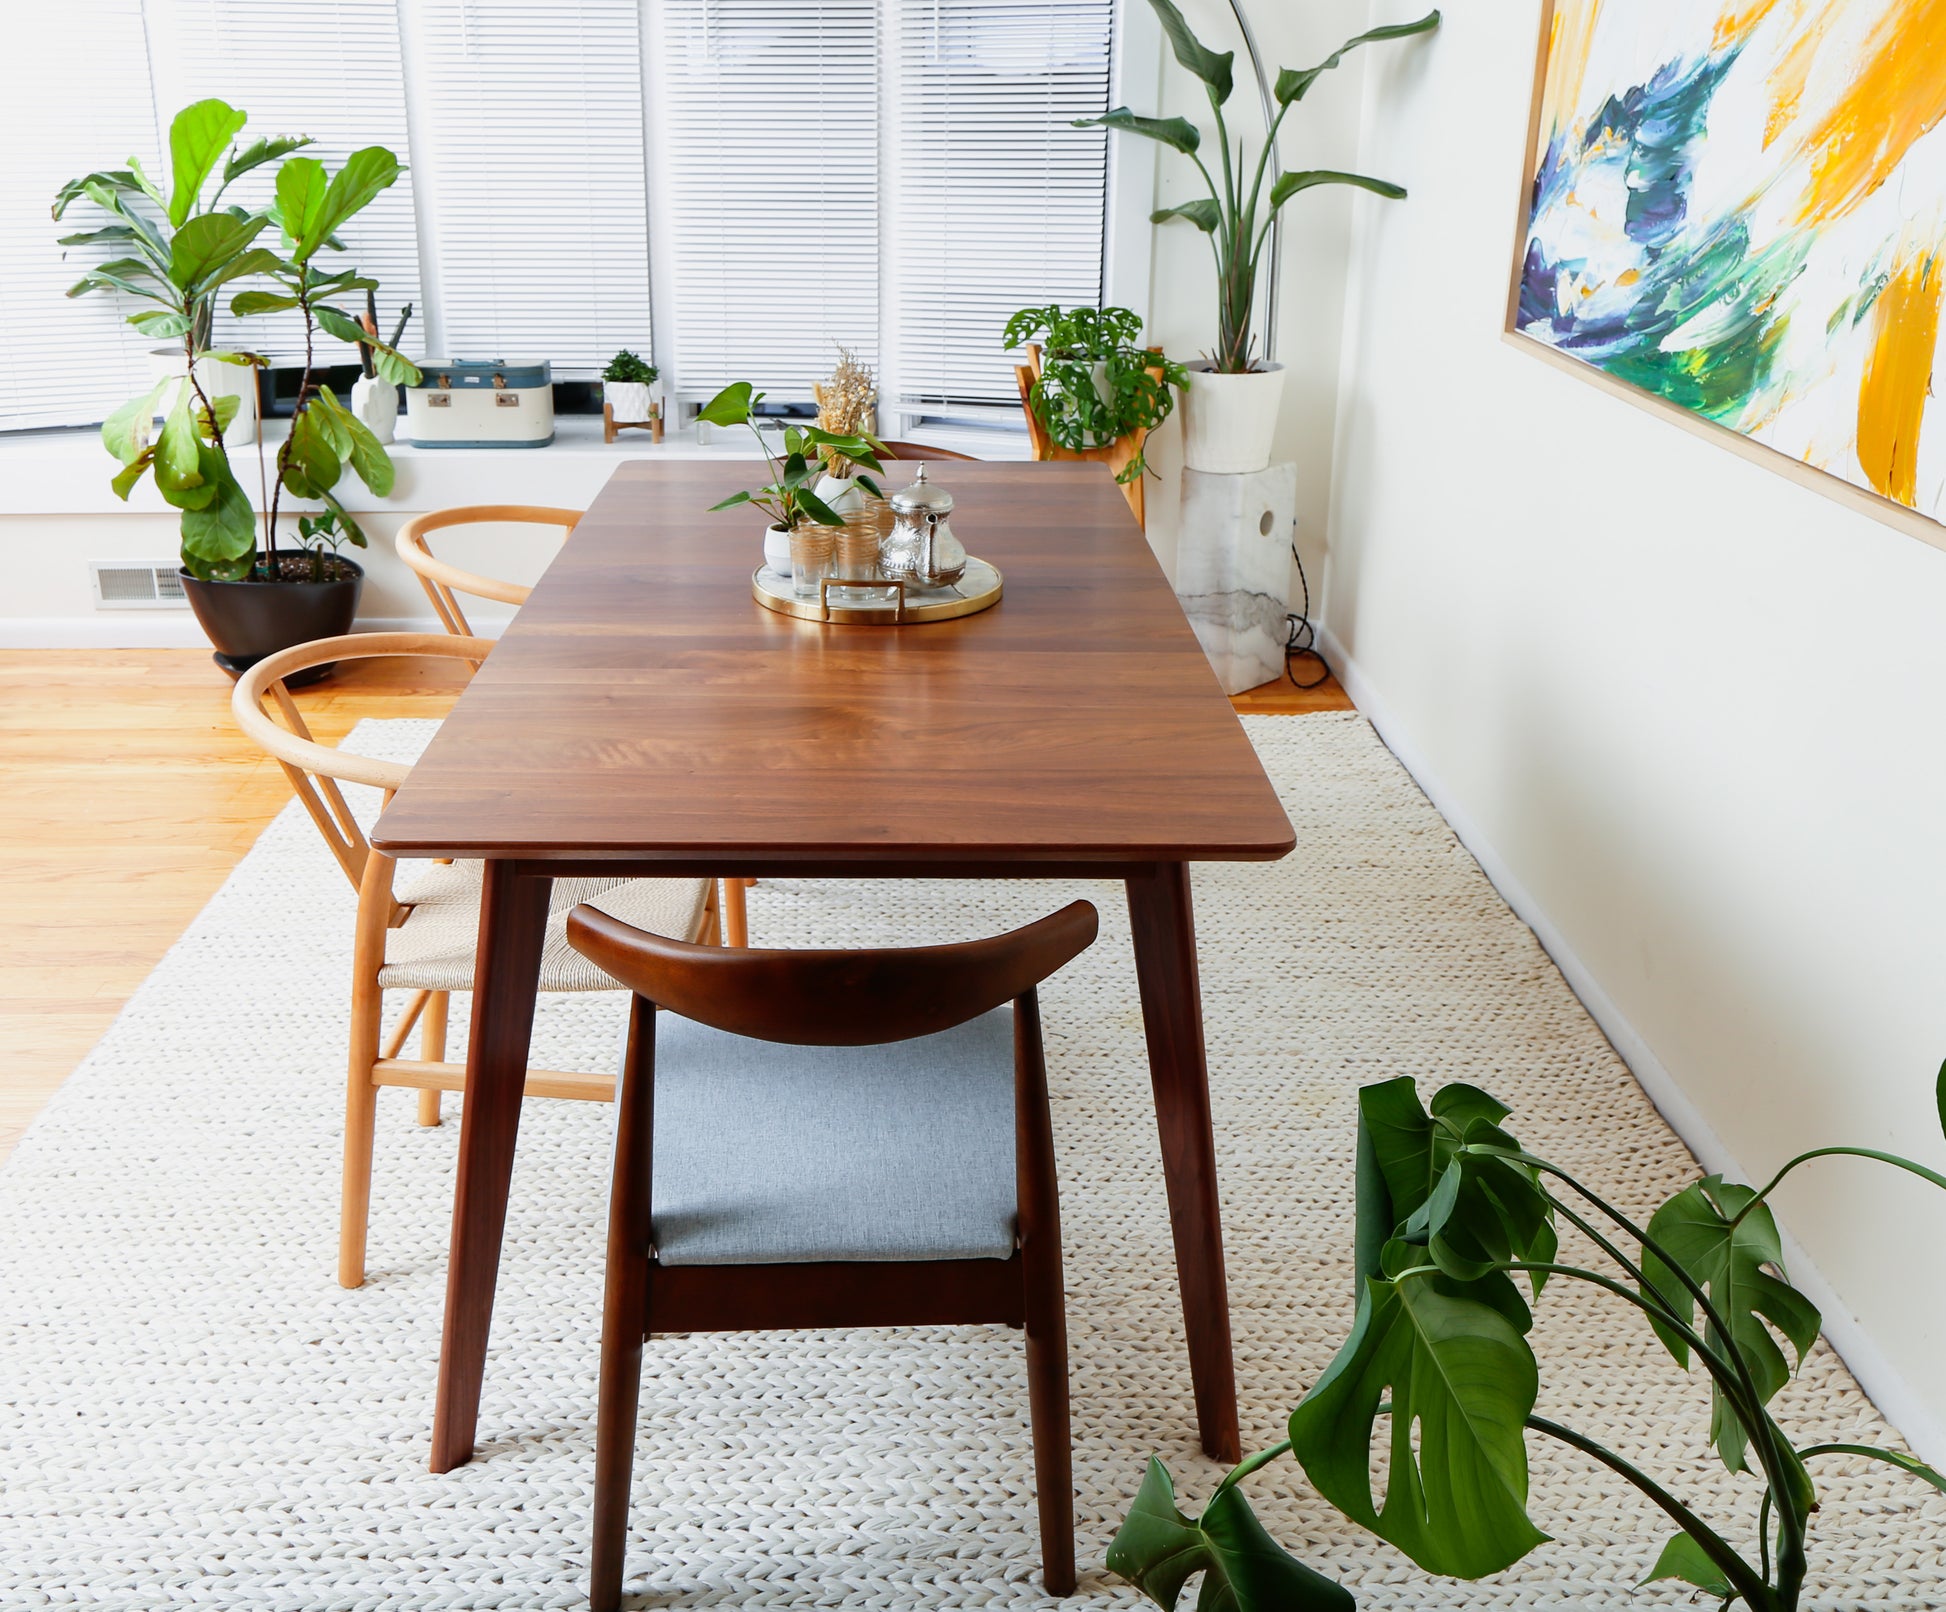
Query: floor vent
x=129, y=585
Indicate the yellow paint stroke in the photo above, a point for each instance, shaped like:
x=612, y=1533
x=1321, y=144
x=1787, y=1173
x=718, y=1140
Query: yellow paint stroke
x=1739, y=20
x=1791, y=75
x=1898, y=376
x=1570, y=41
x=1897, y=96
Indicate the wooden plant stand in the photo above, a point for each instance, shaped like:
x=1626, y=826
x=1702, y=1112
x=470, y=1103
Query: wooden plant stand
x=1115, y=455
x=610, y=425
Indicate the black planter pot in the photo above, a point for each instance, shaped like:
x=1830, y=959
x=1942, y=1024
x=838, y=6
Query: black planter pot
x=248, y=621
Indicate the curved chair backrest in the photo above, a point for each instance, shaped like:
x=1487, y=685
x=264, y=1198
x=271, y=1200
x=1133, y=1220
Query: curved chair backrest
x=315, y=770
x=919, y=450
x=443, y=581
x=833, y=998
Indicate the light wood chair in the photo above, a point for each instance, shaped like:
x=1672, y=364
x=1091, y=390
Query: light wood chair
x=421, y=938
x=833, y=1139
x=444, y=581
x=919, y=450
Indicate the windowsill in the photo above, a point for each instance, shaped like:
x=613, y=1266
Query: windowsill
x=66, y=472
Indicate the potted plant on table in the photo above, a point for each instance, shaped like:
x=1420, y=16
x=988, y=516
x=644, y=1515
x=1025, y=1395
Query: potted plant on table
x=1089, y=391
x=250, y=597
x=1230, y=413
x=790, y=498
x=177, y=251
x=1438, y=1379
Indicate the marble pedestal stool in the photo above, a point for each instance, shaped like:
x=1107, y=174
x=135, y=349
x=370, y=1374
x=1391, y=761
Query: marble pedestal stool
x=1233, y=569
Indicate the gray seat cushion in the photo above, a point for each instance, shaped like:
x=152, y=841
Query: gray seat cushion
x=776, y=1154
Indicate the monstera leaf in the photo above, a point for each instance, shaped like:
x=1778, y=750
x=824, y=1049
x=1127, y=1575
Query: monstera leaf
x=1700, y=1231
x=1461, y=1381
x=1159, y=1550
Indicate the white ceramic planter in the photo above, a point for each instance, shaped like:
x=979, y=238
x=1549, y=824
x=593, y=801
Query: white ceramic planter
x=843, y=494
x=376, y=402
x=777, y=549
x=630, y=400
x=1230, y=421
x=217, y=380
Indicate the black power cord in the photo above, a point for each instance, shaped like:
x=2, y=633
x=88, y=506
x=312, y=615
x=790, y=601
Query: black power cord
x=1302, y=643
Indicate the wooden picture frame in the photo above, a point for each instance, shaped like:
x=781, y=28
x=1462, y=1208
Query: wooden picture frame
x=1824, y=482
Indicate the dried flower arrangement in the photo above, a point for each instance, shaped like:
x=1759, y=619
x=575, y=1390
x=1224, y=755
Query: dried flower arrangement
x=845, y=404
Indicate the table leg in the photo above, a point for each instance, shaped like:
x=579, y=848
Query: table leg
x=1172, y=1013
x=506, y=975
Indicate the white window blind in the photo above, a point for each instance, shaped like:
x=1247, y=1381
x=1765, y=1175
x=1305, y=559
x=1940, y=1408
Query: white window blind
x=67, y=362
x=996, y=203
x=531, y=174
x=767, y=142
x=326, y=68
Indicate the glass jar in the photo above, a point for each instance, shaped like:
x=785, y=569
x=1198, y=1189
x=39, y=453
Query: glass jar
x=813, y=548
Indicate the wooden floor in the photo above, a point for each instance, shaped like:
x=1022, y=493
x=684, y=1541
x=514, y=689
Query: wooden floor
x=126, y=796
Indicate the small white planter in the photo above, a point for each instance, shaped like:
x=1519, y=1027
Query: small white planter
x=843, y=494
x=1230, y=421
x=629, y=400
x=217, y=380
x=376, y=402
x=777, y=549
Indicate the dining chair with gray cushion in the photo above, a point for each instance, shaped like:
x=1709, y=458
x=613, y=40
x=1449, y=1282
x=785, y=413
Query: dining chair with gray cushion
x=832, y=1139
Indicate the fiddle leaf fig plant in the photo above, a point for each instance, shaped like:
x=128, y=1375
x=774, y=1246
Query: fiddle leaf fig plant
x=788, y=498
x=1096, y=386
x=325, y=437
x=1237, y=215
x=1458, y=1234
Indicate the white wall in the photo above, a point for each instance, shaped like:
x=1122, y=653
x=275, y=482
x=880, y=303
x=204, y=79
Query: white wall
x=1687, y=712
x=1320, y=133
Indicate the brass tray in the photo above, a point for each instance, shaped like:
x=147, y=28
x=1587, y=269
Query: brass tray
x=895, y=603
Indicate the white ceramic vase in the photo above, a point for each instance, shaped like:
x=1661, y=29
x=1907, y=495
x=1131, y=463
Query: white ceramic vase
x=217, y=380
x=1230, y=421
x=842, y=493
x=777, y=549
x=629, y=400
x=376, y=402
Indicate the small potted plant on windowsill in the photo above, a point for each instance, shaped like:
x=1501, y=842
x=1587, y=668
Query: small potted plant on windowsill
x=789, y=498
x=625, y=390
x=1230, y=412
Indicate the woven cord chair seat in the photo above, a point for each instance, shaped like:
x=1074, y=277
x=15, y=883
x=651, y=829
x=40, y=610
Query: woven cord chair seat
x=433, y=949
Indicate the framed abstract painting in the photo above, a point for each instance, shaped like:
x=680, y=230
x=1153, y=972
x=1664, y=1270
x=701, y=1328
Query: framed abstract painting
x=1736, y=212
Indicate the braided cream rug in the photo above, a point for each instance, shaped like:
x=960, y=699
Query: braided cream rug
x=192, y=1413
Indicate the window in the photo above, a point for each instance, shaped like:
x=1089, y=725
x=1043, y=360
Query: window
x=67, y=362
x=528, y=150
x=768, y=145
x=326, y=68
x=769, y=178
x=999, y=203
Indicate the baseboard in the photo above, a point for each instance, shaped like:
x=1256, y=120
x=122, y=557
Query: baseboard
x=168, y=629
x=1886, y=1386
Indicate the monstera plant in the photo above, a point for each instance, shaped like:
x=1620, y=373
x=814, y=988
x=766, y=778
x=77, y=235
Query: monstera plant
x=1455, y=1217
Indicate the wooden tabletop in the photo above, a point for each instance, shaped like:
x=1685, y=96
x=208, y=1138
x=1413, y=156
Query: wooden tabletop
x=642, y=706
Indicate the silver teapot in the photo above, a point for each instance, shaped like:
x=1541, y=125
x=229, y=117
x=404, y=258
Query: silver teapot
x=921, y=545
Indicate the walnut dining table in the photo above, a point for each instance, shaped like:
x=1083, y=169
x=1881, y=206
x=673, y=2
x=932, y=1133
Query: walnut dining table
x=643, y=715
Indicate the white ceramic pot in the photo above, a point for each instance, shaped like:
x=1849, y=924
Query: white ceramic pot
x=217, y=380
x=1229, y=421
x=376, y=402
x=630, y=400
x=842, y=493
x=777, y=549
